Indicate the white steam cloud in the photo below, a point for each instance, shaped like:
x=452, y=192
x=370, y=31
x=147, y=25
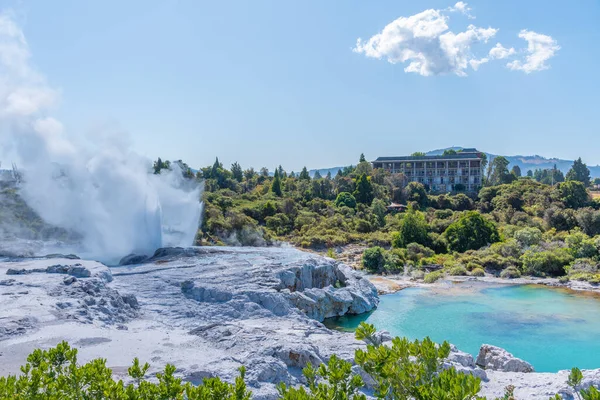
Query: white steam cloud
x=100, y=189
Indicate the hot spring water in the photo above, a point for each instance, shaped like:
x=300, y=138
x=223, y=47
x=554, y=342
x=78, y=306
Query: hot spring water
x=553, y=329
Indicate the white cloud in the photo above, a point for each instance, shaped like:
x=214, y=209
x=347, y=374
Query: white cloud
x=462, y=8
x=540, y=48
x=474, y=63
x=425, y=43
x=500, y=52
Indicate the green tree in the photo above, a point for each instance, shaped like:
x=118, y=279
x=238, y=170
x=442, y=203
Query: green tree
x=498, y=172
x=317, y=175
x=345, y=199
x=413, y=229
x=579, y=172
x=364, y=190
x=415, y=191
x=379, y=210
x=471, y=232
x=373, y=259
x=573, y=193
x=362, y=158
x=516, y=171
x=236, y=172
x=449, y=152
x=160, y=165
x=276, y=184
x=304, y=176
x=418, y=154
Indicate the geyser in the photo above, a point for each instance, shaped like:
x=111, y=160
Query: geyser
x=94, y=186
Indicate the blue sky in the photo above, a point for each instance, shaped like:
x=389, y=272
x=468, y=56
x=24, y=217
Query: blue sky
x=277, y=82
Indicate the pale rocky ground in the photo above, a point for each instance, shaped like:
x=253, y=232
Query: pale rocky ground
x=208, y=311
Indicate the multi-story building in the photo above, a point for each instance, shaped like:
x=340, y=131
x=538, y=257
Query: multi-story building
x=453, y=172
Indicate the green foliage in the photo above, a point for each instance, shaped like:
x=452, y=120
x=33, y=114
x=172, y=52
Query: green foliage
x=333, y=380
x=549, y=262
x=510, y=273
x=415, y=192
x=364, y=190
x=573, y=194
x=412, y=370
x=471, y=232
x=55, y=375
x=457, y=270
x=528, y=236
x=413, y=229
x=579, y=172
x=498, y=172
x=276, y=185
x=236, y=172
x=433, y=276
x=345, y=199
x=477, y=271
x=373, y=259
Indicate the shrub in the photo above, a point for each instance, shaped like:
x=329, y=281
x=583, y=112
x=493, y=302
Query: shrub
x=345, y=199
x=413, y=229
x=510, y=273
x=373, y=259
x=551, y=262
x=528, y=236
x=477, y=272
x=433, y=276
x=457, y=270
x=473, y=265
x=411, y=370
x=54, y=375
x=416, y=252
x=471, y=232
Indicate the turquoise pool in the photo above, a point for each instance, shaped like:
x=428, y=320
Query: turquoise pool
x=553, y=329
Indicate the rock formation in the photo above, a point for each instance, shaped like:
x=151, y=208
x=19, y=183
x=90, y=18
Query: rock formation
x=498, y=359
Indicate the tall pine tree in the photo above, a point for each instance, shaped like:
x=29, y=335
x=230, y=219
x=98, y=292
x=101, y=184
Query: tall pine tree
x=579, y=172
x=276, y=185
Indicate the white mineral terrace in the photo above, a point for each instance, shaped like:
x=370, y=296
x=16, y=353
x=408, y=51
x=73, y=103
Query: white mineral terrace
x=209, y=311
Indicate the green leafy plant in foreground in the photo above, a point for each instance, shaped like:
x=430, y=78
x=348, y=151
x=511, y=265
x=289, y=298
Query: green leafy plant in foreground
x=55, y=375
x=399, y=370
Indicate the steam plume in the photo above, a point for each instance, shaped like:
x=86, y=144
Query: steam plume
x=98, y=188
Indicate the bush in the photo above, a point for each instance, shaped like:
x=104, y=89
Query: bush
x=373, y=259
x=416, y=252
x=433, y=276
x=457, y=270
x=345, y=199
x=471, y=232
x=510, y=273
x=55, y=375
x=413, y=229
x=551, y=262
x=528, y=236
x=478, y=271
x=473, y=265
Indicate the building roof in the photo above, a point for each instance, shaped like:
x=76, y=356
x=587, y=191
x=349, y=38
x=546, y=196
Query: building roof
x=463, y=155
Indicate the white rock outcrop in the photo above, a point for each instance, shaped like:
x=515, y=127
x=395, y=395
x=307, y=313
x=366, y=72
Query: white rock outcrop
x=497, y=359
x=206, y=310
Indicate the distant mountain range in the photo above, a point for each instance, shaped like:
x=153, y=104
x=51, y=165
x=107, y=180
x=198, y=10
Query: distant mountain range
x=526, y=163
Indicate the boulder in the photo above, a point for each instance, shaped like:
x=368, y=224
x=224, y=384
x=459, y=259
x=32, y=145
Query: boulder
x=498, y=359
x=133, y=259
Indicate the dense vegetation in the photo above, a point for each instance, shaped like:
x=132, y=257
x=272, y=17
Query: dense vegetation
x=399, y=370
x=516, y=225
